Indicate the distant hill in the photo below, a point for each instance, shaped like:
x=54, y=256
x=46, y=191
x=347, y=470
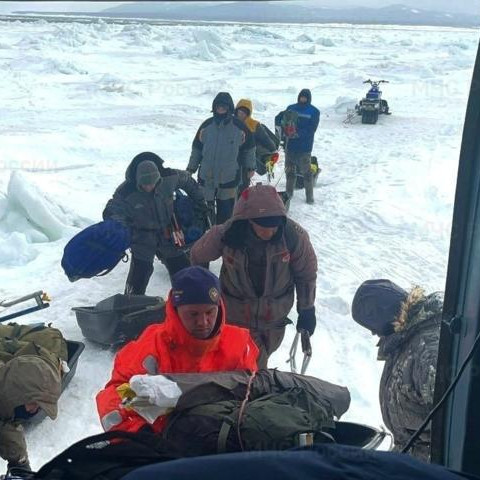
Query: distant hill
x=289, y=12
x=279, y=12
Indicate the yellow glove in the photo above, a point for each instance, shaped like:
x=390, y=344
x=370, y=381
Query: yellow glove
x=313, y=168
x=126, y=394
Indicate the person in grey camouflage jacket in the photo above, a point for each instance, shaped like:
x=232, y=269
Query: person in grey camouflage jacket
x=144, y=203
x=408, y=324
x=223, y=146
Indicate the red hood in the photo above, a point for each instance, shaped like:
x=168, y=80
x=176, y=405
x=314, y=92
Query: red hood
x=259, y=201
x=178, y=334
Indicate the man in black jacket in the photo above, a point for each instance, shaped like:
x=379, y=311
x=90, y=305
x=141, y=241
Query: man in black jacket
x=222, y=147
x=408, y=324
x=145, y=203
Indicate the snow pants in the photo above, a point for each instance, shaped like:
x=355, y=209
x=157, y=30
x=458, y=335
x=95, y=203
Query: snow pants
x=220, y=200
x=267, y=342
x=222, y=205
x=299, y=162
x=147, y=244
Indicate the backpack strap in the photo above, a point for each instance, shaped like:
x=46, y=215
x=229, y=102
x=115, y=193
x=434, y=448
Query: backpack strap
x=223, y=436
x=17, y=330
x=291, y=236
x=124, y=258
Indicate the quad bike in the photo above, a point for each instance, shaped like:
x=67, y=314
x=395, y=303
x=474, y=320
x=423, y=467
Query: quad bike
x=372, y=105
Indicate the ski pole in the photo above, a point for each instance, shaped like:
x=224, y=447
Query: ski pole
x=306, y=349
x=293, y=353
x=209, y=214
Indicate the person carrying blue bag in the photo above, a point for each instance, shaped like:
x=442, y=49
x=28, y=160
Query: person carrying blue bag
x=144, y=203
x=299, y=124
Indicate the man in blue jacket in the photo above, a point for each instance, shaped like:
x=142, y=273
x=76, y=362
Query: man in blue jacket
x=299, y=143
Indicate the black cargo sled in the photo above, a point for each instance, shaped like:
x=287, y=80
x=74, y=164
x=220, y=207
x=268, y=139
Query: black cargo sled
x=74, y=348
x=100, y=459
x=120, y=318
x=222, y=412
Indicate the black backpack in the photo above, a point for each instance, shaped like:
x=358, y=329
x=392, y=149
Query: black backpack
x=272, y=136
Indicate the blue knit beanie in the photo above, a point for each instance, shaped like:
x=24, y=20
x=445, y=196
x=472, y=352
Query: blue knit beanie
x=195, y=286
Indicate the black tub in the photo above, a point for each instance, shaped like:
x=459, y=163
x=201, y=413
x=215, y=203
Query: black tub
x=120, y=318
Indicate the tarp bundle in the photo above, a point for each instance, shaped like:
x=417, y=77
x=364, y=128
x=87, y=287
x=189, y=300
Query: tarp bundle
x=232, y=411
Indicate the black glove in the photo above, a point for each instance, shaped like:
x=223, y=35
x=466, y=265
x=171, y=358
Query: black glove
x=307, y=320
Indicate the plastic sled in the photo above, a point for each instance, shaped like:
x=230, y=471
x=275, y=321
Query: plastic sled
x=120, y=318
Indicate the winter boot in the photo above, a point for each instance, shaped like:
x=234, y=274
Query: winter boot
x=19, y=470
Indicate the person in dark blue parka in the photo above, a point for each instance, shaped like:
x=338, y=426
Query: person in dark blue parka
x=299, y=143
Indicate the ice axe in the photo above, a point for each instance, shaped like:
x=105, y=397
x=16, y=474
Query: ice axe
x=304, y=336
x=40, y=297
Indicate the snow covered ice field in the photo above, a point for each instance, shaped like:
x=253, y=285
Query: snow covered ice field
x=78, y=101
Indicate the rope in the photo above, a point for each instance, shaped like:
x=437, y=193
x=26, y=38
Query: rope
x=242, y=410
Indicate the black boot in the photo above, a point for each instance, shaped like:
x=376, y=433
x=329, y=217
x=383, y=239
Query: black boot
x=19, y=470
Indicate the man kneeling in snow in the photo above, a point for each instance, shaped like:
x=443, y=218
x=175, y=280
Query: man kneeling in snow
x=28, y=383
x=408, y=324
x=193, y=338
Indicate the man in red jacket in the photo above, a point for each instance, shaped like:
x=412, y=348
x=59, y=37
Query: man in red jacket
x=193, y=338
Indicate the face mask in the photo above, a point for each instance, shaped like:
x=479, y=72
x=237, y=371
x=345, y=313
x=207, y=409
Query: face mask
x=221, y=115
x=22, y=414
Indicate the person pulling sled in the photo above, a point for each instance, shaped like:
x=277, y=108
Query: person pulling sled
x=298, y=124
x=266, y=143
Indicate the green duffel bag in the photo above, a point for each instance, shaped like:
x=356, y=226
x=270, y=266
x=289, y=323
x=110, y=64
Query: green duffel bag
x=270, y=422
x=39, y=339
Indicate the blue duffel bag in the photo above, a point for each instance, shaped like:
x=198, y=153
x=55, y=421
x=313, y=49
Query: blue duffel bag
x=96, y=250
